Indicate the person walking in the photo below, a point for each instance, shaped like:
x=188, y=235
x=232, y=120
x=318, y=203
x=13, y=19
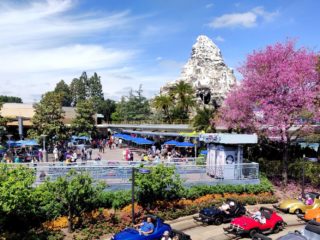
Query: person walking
x=56, y=154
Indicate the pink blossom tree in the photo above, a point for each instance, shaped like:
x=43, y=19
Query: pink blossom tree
x=277, y=96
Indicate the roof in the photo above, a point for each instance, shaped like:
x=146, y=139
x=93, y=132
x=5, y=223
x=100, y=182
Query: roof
x=229, y=138
x=26, y=111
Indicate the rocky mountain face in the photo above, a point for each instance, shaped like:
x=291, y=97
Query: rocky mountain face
x=207, y=73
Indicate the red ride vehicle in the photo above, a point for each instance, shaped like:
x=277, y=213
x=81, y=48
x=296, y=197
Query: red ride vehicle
x=247, y=225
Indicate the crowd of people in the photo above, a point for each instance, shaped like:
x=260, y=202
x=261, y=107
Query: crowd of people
x=156, y=154
x=71, y=152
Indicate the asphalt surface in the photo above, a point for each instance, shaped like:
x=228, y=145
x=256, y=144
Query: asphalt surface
x=198, y=231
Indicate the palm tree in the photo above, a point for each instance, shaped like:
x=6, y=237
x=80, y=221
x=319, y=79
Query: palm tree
x=163, y=103
x=203, y=120
x=184, y=94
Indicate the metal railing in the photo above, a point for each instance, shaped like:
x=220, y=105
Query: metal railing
x=234, y=171
x=119, y=172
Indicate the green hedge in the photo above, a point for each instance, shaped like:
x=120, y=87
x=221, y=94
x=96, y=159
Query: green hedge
x=201, y=190
x=120, y=199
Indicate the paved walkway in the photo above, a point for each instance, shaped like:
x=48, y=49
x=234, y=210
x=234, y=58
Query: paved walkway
x=114, y=154
x=198, y=231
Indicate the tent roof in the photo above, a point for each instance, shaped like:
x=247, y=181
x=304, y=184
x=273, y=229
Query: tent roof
x=185, y=144
x=171, y=142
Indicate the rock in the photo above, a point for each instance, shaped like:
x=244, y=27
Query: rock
x=207, y=73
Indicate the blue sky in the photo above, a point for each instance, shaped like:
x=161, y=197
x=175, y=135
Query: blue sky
x=132, y=42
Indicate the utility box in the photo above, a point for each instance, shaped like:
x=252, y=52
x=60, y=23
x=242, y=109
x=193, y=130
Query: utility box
x=225, y=153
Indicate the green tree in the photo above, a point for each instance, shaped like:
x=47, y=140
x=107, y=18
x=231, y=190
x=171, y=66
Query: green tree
x=64, y=90
x=202, y=121
x=48, y=118
x=3, y=123
x=107, y=107
x=76, y=193
x=17, y=202
x=78, y=89
x=94, y=91
x=162, y=183
x=84, y=123
x=10, y=99
x=134, y=107
x=95, y=87
x=182, y=94
x=164, y=104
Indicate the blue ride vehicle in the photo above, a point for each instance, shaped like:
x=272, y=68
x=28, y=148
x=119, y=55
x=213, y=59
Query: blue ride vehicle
x=133, y=234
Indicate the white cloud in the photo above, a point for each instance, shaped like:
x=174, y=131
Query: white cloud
x=209, y=5
x=245, y=19
x=45, y=41
x=219, y=39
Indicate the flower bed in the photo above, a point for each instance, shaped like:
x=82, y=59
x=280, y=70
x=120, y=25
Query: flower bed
x=166, y=210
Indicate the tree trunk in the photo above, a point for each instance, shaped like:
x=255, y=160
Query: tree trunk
x=285, y=162
x=70, y=223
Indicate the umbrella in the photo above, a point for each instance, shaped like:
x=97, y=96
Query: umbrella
x=171, y=142
x=142, y=141
x=31, y=142
x=11, y=143
x=185, y=144
x=118, y=135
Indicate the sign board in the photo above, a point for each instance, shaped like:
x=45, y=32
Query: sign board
x=227, y=138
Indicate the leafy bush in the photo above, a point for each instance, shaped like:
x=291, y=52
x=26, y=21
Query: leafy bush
x=114, y=199
x=17, y=202
x=312, y=170
x=201, y=190
x=162, y=183
x=72, y=195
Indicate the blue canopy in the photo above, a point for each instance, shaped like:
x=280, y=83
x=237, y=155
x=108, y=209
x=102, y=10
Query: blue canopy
x=171, y=142
x=11, y=143
x=80, y=138
x=142, y=141
x=127, y=137
x=29, y=142
x=118, y=135
x=204, y=152
x=185, y=144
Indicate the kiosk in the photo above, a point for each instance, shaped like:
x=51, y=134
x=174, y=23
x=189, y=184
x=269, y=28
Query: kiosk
x=225, y=153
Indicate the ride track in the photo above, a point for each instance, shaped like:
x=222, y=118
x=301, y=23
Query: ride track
x=199, y=231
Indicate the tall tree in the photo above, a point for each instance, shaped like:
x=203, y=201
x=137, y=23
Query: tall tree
x=280, y=84
x=134, y=107
x=164, y=104
x=10, y=99
x=183, y=95
x=84, y=123
x=64, y=90
x=107, y=107
x=48, y=118
x=95, y=91
x=78, y=90
x=95, y=87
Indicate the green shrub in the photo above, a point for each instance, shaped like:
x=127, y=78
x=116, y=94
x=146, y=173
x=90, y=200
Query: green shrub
x=201, y=190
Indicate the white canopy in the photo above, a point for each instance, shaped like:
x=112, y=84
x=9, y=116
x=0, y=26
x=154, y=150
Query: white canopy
x=229, y=138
